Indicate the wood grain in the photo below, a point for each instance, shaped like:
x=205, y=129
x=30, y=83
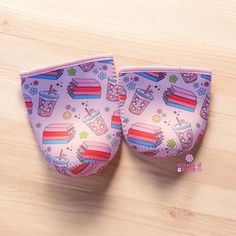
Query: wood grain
x=135, y=195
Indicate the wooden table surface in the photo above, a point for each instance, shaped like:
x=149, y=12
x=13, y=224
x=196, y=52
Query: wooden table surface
x=135, y=195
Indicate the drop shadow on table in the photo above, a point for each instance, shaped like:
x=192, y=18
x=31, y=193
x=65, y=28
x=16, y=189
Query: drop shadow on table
x=163, y=170
x=83, y=198
x=79, y=196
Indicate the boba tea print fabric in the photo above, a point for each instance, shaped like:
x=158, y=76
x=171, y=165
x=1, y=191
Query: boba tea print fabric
x=74, y=112
x=165, y=110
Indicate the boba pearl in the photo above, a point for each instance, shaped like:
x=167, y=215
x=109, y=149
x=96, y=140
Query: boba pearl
x=50, y=105
x=48, y=110
x=41, y=107
x=134, y=103
x=43, y=101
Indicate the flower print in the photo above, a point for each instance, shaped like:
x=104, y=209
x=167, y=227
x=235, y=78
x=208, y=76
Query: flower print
x=95, y=71
x=126, y=79
x=71, y=71
x=126, y=120
x=196, y=85
x=102, y=75
x=108, y=136
x=201, y=91
x=206, y=84
x=114, y=142
x=118, y=134
x=68, y=107
x=136, y=78
x=67, y=115
x=105, y=67
x=159, y=111
x=35, y=82
x=26, y=86
x=171, y=143
x=173, y=78
x=73, y=109
x=38, y=125
x=131, y=86
x=48, y=158
x=189, y=158
x=33, y=91
x=49, y=149
x=83, y=135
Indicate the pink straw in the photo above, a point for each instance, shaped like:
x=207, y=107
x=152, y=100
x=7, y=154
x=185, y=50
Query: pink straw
x=87, y=110
x=61, y=152
x=50, y=89
x=147, y=89
x=177, y=118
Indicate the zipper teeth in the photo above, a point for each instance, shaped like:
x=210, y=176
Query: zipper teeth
x=163, y=68
x=25, y=74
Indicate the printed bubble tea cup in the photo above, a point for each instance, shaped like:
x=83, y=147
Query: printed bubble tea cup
x=87, y=66
x=189, y=77
x=122, y=94
x=95, y=122
x=47, y=102
x=112, y=90
x=205, y=107
x=185, y=134
x=140, y=100
x=60, y=164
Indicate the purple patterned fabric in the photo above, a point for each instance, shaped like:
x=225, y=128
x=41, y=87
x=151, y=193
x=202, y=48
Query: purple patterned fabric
x=165, y=113
x=73, y=109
